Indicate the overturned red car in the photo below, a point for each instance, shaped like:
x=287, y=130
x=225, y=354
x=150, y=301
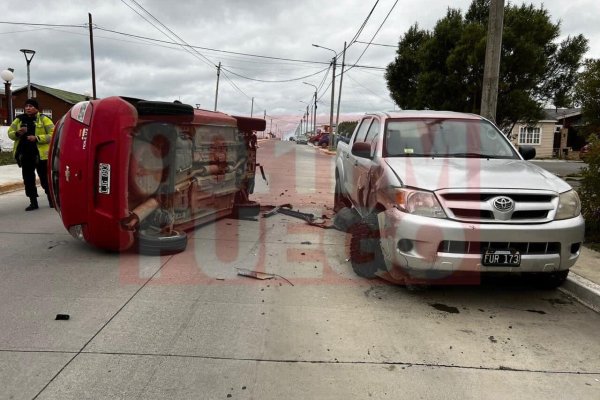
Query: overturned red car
x=127, y=173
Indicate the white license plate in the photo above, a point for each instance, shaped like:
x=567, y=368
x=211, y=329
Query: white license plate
x=104, y=179
x=501, y=258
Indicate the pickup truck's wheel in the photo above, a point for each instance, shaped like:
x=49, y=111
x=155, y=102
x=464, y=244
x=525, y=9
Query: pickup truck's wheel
x=339, y=201
x=154, y=244
x=365, y=247
x=549, y=280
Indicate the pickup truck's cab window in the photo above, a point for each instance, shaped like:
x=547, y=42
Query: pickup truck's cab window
x=372, y=135
x=361, y=134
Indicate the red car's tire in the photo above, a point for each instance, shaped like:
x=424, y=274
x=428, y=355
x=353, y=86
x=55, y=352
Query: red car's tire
x=247, y=210
x=155, y=244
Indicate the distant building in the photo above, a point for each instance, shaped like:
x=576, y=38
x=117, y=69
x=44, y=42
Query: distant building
x=53, y=102
x=554, y=136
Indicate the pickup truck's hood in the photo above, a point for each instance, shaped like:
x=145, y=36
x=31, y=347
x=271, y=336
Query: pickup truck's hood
x=443, y=173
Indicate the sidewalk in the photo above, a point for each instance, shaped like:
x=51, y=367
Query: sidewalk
x=583, y=281
x=10, y=178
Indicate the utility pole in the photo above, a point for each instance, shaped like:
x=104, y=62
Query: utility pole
x=493, y=50
x=92, y=55
x=217, y=92
x=331, y=133
x=310, y=122
x=337, y=117
x=252, y=109
x=315, y=115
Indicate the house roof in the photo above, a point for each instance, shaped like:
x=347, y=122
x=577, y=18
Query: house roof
x=561, y=113
x=68, y=97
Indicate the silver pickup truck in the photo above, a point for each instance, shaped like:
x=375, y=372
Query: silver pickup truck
x=440, y=194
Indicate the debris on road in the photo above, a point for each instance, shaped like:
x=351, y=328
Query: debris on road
x=286, y=209
x=62, y=317
x=260, y=275
x=254, y=274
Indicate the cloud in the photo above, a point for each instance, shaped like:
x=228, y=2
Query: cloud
x=129, y=66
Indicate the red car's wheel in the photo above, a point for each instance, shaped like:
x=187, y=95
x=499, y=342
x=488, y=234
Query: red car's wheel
x=153, y=244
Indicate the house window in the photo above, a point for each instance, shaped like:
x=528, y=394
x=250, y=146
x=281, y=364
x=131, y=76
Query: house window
x=530, y=135
x=47, y=112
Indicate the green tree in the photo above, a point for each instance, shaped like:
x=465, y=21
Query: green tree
x=587, y=93
x=346, y=128
x=443, y=68
x=589, y=192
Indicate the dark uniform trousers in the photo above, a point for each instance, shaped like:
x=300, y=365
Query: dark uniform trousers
x=29, y=167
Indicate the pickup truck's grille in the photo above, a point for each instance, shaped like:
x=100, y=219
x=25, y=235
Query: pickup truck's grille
x=461, y=247
x=522, y=206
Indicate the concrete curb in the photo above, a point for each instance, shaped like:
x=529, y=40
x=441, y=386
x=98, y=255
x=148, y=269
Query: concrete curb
x=582, y=289
x=11, y=187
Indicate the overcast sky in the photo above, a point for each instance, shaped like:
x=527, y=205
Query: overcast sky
x=153, y=70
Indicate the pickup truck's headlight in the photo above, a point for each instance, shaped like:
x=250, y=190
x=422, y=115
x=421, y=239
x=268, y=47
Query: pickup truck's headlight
x=418, y=202
x=569, y=205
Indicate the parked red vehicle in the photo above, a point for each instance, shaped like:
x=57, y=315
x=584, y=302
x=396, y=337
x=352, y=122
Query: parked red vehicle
x=127, y=172
x=585, y=152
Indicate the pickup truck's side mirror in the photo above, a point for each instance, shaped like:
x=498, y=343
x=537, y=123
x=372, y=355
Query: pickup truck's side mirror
x=361, y=149
x=527, y=152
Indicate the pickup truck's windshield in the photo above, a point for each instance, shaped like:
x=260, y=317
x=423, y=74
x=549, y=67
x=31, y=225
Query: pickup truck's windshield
x=443, y=137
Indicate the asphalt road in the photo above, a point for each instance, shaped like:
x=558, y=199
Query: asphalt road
x=187, y=326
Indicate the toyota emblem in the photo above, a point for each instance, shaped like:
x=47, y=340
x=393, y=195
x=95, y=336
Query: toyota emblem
x=503, y=204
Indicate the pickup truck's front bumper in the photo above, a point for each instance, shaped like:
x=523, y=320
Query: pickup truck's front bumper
x=426, y=247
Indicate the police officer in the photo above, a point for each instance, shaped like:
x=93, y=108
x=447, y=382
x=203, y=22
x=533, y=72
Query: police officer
x=32, y=133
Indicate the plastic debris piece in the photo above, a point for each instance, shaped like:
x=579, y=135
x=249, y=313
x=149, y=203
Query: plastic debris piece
x=254, y=274
x=260, y=275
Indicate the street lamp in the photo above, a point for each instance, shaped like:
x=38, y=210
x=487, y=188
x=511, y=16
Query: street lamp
x=333, y=61
x=28, y=57
x=7, y=76
x=314, y=108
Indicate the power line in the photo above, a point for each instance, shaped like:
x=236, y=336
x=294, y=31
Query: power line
x=367, y=89
x=374, y=35
x=178, y=44
x=377, y=44
x=274, y=81
x=216, y=50
x=357, y=34
x=234, y=85
x=46, y=25
x=187, y=47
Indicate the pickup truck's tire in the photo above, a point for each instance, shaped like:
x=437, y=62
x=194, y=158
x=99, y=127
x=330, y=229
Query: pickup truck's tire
x=365, y=247
x=549, y=280
x=339, y=201
x=155, y=244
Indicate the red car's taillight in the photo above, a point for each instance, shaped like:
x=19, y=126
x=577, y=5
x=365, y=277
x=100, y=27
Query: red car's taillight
x=82, y=112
